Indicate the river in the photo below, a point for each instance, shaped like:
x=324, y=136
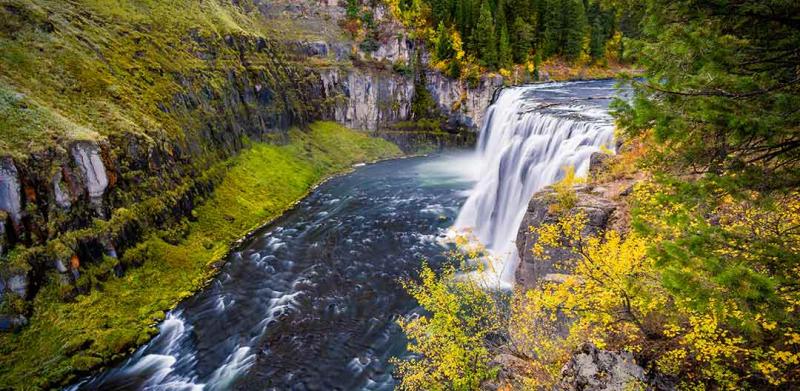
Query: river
x=310, y=301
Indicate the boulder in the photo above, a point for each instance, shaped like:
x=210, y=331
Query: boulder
x=18, y=284
x=592, y=369
x=512, y=371
x=598, y=163
x=61, y=192
x=12, y=322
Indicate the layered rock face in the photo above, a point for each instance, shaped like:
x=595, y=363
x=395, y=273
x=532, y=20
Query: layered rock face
x=532, y=269
x=372, y=100
x=51, y=199
x=372, y=94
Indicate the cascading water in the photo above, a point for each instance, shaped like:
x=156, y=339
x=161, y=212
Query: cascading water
x=532, y=134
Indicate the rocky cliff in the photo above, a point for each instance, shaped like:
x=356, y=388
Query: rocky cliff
x=604, y=203
x=371, y=89
x=598, y=209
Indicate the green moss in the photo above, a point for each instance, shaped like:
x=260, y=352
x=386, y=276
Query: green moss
x=65, y=338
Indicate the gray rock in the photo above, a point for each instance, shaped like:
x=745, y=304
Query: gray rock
x=511, y=371
x=62, y=197
x=3, y=234
x=394, y=49
x=10, y=198
x=87, y=158
x=318, y=48
x=532, y=269
x=59, y=265
x=12, y=322
x=18, y=284
x=464, y=106
x=365, y=100
x=341, y=51
x=592, y=369
x=598, y=163
x=369, y=100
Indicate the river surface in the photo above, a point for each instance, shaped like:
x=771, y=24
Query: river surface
x=310, y=301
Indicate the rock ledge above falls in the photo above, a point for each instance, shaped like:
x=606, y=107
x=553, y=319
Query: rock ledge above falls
x=589, y=368
x=599, y=210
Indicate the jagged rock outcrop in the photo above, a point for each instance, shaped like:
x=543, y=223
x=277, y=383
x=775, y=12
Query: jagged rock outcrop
x=605, y=207
x=367, y=100
x=531, y=269
x=462, y=105
x=592, y=369
x=51, y=197
x=87, y=158
x=371, y=94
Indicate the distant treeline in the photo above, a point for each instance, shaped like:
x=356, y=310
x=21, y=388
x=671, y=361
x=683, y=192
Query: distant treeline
x=501, y=33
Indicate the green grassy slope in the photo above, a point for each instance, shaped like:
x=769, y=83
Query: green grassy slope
x=83, y=69
x=66, y=339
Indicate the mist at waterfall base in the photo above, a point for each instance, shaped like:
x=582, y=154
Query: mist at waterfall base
x=531, y=136
x=310, y=302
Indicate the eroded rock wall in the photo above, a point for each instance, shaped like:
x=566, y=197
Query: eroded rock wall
x=532, y=269
x=371, y=89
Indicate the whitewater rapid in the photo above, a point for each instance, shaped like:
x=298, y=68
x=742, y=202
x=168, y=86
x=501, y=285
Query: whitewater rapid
x=531, y=136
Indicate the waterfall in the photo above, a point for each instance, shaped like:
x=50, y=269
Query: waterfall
x=525, y=145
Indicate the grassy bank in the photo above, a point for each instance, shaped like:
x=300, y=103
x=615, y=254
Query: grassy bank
x=65, y=339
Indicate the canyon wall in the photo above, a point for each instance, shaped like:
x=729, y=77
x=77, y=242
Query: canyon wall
x=77, y=201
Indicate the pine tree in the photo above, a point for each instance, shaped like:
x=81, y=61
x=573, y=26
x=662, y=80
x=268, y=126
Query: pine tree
x=484, y=37
x=599, y=31
x=549, y=27
x=499, y=13
x=521, y=38
x=444, y=45
x=460, y=17
x=352, y=9
x=441, y=10
x=573, y=29
x=422, y=103
x=504, y=54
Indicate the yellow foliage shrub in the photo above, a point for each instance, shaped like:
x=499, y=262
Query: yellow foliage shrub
x=450, y=341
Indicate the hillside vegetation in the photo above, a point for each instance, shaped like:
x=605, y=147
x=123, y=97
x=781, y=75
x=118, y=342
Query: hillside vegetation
x=65, y=339
x=202, y=131
x=78, y=70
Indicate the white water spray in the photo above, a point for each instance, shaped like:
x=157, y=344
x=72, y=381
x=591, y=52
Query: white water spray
x=524, y=146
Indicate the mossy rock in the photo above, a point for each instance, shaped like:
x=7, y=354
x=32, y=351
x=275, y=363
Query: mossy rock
x=84, y=363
